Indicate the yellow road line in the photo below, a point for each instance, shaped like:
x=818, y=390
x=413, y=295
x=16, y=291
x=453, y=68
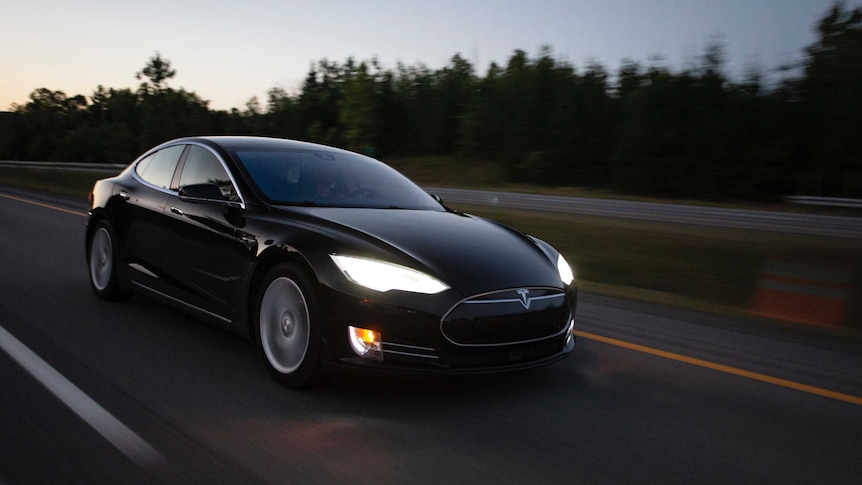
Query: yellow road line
x=723, y=368
x=40, y=204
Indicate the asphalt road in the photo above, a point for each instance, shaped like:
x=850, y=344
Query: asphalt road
x=149, y=395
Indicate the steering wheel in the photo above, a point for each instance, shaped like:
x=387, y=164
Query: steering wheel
x=362, y=192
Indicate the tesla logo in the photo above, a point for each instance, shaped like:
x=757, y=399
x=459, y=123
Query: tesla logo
x=524, y=294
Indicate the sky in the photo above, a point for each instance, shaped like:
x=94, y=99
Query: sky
x=227, y=51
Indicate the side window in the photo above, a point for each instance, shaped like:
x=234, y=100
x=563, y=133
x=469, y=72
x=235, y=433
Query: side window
x=202, y=167
x=158, y=168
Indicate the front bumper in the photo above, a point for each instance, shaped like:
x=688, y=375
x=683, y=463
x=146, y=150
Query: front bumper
x=491, y=363
x=427, y=343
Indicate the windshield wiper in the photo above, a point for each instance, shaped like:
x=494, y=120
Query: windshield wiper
x=293, y=203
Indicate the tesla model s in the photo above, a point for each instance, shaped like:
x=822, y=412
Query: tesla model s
x=328, y=260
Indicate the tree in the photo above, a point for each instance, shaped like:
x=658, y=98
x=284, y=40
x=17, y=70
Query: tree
x=282, y=115
x=158, y=71
x=47, y=117
x=319, y=102
x=832, y=95
x=455, y=85
x=694, y=133
x=357, y=110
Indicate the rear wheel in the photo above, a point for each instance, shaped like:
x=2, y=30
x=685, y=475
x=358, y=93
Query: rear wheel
x=287, y=328
x=102, y=263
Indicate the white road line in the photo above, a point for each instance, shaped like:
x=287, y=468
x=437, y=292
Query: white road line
x=123, y=438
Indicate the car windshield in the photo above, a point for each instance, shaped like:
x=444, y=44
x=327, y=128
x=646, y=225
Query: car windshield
x=331, y=179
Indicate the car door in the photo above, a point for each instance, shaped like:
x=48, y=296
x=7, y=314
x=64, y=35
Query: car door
x=203, y=243
x=139, y=216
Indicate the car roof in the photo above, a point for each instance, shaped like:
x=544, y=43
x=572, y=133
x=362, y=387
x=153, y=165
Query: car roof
x=256, y=142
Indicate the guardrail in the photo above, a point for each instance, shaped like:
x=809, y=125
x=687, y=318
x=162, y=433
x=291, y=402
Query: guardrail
x=748, y=219
x=94, y=167
x=824, y=201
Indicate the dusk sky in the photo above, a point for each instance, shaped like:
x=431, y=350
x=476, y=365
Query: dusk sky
x=229, y=51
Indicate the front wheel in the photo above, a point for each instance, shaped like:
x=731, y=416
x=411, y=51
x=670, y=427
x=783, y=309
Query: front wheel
x=287, y=327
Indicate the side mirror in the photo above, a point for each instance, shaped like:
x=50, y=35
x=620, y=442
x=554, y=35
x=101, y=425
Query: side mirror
x=201, y=192
x=440, y=201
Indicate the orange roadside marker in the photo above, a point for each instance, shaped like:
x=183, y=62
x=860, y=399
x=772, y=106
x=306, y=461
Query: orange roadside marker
x=814, y=294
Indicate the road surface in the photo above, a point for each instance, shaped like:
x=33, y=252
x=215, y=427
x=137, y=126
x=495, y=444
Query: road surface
x=149, y=395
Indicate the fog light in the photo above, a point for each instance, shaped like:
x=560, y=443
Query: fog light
x=366, y=343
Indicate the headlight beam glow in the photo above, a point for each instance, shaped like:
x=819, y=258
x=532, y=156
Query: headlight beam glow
x=383, y=276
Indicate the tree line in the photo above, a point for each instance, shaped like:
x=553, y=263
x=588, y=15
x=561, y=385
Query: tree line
x=645, y=129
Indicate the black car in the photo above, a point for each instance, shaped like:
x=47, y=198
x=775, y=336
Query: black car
x=327, y=259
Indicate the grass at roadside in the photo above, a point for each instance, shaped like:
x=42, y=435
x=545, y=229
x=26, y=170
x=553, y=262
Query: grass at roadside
x=61, y=182
x=709, y=269
x=703, y=268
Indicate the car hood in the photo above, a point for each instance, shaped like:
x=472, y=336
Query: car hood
x=470, y=254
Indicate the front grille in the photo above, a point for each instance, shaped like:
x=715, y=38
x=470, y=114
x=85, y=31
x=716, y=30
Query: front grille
x=507, y=317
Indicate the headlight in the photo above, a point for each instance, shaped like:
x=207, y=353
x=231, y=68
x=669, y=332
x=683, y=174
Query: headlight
x=382, y=276
x=565, y=270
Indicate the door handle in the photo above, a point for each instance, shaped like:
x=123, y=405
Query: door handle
x=124, y=195
x=177, y=211
x=248, y=242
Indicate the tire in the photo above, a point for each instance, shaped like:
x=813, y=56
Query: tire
x=287, y=327
x=102, y=264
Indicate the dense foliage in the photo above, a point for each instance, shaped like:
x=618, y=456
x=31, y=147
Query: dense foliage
x=644, y=129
